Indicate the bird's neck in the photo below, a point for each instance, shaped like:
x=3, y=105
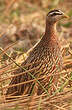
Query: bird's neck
x=50, y=32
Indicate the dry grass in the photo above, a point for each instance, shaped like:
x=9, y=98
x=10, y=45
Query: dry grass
x=61, y=99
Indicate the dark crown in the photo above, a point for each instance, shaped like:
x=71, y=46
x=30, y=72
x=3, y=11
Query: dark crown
x=55, y=12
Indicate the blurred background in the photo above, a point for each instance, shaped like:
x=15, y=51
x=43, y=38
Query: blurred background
x=22, y=23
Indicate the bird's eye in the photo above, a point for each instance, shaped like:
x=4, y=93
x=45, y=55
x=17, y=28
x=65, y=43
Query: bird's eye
x=54, y=14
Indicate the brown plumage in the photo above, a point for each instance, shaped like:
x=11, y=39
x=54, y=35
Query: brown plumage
x=44, y=58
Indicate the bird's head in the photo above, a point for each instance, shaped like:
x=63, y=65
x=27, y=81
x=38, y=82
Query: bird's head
x=55, y=15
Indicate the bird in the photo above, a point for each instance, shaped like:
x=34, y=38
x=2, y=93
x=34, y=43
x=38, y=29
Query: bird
x=43, y=59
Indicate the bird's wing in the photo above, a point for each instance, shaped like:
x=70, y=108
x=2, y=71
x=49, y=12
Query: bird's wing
x=28, y=65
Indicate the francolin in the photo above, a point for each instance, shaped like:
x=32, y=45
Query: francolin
x=43, y=59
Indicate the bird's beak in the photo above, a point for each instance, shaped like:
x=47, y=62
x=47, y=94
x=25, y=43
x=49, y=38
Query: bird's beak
x=65, y=16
